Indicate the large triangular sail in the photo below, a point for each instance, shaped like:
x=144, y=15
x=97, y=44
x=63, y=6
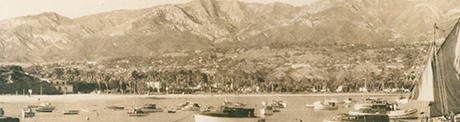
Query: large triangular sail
x=440, y=83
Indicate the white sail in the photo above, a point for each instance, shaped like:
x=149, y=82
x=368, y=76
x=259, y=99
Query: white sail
x=440, y=81
x=426, y=92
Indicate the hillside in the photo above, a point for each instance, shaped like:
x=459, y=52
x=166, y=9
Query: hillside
x=206, y=24
x=224, y=43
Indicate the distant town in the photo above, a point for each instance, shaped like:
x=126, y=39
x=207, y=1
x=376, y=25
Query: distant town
x=357, y=68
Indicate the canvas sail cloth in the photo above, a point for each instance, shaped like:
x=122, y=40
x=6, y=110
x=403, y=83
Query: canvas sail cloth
x=440, y=83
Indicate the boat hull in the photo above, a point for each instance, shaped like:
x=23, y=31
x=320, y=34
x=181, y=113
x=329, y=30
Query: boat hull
x=402, y=114
x=207, y=118
x=9, y=119
x=152, y=110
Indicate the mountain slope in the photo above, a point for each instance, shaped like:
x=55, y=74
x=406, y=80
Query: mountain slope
x=204, y=24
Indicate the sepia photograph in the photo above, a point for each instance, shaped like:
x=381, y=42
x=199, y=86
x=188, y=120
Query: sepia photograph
x=229, y=60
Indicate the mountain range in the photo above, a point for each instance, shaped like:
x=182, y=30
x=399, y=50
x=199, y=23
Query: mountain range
x=210, y=24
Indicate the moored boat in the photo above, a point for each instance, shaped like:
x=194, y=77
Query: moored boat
x=228, y=114
x=27, y=112
x=344, y=117
x=113, y=107
x=5, y=118
x=136, y=113
x=189, y=106
x=326, y=105
x=45, y=107
x=402, y=114
x=71, y=112
x=279, y=104
x=402, y=100
x=267, y=110
x=390, y=109
x=150, y=108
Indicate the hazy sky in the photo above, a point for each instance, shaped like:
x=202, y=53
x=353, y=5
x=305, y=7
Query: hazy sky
x=77, y=8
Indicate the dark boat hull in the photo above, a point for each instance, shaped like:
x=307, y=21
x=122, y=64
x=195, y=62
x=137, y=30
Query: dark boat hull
x=9, y=119
x=208, y=118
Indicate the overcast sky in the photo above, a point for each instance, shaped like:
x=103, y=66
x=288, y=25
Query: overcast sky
x=78, y=8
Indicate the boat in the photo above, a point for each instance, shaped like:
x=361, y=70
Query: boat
x=437, y=88
x=279, y=104
x=189, y=106
x=228, y=103
x=45, y=107
x=113, y=107
x=71, y=112
x=5, y=118
x=348, y=101
x=361, y=106
x=150, y=108
x=228, y=114
x=267, y=110
x=136, y=113
x=8, y=119
x=402, y=114
x=402, y=100
x=371, y=102
x=344, y=117
x=27, y=112
x=326, y=105
x=383, y=107
x=171, y=111
x=309, y=105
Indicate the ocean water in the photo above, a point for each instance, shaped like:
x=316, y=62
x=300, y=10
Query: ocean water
x=93, y=110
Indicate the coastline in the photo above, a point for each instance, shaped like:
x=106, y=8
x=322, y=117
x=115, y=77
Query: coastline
x=80, y=97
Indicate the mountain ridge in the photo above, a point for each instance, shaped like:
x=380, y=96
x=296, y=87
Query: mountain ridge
x=207, y=24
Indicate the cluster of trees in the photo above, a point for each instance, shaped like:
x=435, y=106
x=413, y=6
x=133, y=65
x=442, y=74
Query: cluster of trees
x=13, y=80
x=225, y=81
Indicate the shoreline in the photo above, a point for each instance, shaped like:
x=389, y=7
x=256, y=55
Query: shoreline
x=84, y=97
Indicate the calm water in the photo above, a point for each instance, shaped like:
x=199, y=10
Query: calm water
x=96, y=112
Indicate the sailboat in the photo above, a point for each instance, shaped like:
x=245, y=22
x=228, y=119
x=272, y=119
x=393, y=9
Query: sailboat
x=441, y=78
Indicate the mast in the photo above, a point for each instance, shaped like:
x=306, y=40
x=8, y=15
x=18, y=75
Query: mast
x=440, y=79
x=446, y=80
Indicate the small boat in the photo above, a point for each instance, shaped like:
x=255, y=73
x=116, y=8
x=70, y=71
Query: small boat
x=279, y=104
x=27, y=112
x=309, y=105
x=344, y=117
x=150, y=108
x=71, y=112
x=228, y=103
x=370, y=103
x=45, y=107
x=8, y=119
x=387, y=108
x=189, y=106
x=267, y=110
x=32, y=106
x=2, y=112
x=171, y=111
x=402, y=114
x=136, y=113
x=326, y=105
x=113, y=107
x=5, y=118
x=402, y=100
x=228, y=114
x=348, y=101
x=361, y=106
